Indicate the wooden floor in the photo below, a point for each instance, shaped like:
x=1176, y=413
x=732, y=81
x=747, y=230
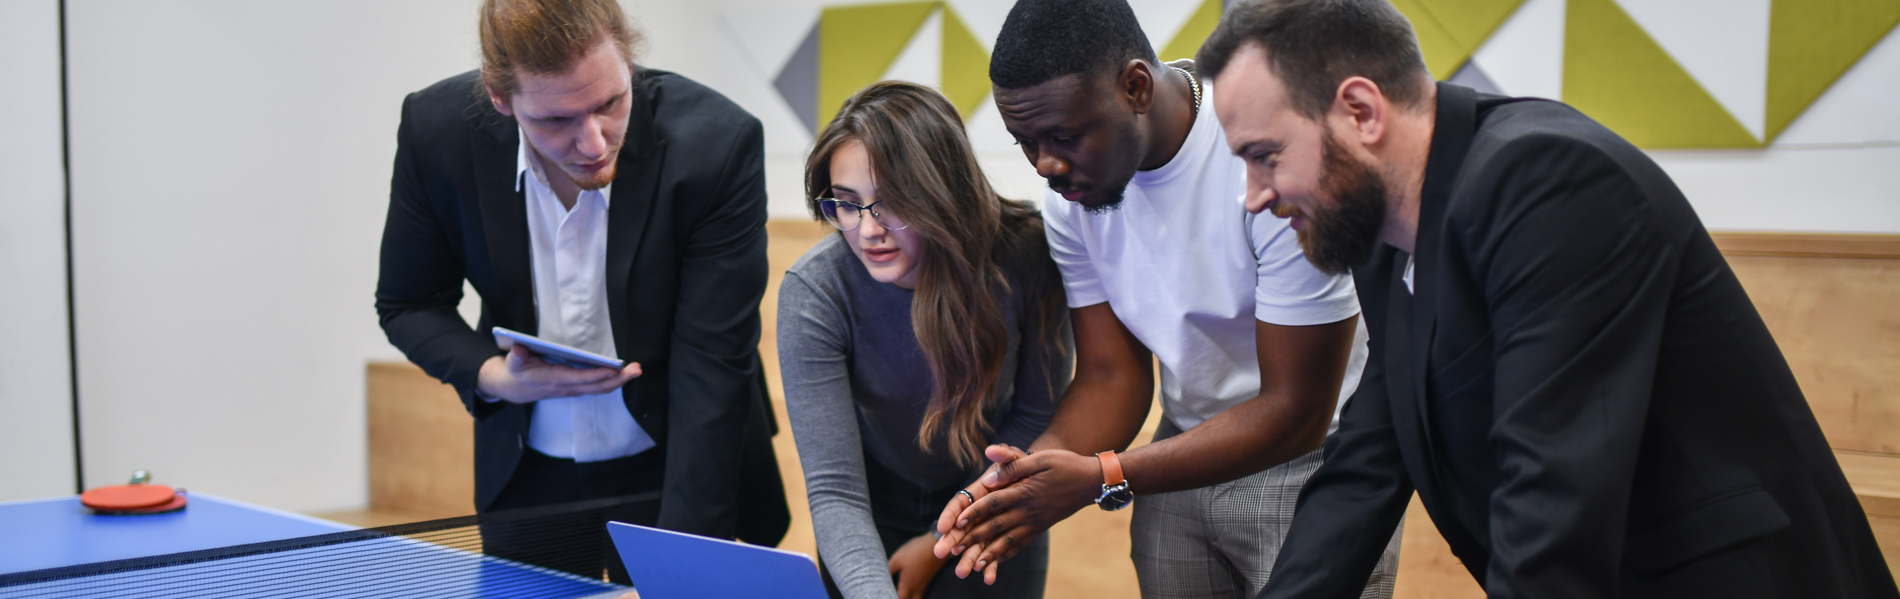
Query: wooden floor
x=1833, y=303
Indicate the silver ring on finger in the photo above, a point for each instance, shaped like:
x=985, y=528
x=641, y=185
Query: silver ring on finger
x=966, y=494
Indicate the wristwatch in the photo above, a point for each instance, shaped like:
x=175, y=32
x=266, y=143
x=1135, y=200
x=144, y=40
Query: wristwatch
x=1115, y=494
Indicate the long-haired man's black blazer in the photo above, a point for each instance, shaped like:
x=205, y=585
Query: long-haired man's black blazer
x=686, y=268
x=1580, y=391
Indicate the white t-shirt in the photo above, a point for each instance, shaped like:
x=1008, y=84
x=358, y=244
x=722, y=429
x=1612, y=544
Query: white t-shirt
x=1187, y=269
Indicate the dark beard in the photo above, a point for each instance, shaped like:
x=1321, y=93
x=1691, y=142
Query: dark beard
x=1113, y=204
x=1342, y=234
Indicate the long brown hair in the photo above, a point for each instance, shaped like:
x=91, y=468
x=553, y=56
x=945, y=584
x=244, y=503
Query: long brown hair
x=972, y=239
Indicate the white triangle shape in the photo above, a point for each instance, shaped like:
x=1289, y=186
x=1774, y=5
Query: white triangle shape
x=769, y=36
x=1525, y=56
x=984, y=126
x=1723, y=44
x=984, y=18
x=1009, y=172
x=921, y=61
x=1858, y=108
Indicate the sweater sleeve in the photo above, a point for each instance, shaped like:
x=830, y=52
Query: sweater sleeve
x=813, y=350
x=1043, y=371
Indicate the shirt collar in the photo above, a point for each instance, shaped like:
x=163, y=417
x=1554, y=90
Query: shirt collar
x=526, y=166
x=524, y=163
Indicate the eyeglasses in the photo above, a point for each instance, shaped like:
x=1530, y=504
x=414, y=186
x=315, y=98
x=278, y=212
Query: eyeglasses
x=846, y=216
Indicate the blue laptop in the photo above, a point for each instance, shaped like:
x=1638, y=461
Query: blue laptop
x=666, y=565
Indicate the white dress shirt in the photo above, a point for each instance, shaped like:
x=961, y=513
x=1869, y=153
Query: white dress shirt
x=570, y=300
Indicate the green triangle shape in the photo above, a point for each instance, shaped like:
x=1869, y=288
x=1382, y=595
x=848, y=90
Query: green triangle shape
x=1470, y=22
x=1442, y=50
x=1616, y=74
x=856, y=44
x=1194, y=32
x=966, y=65
x=1811, y=43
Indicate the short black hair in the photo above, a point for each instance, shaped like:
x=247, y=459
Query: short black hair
x=1046, y=39
x=1313, y=45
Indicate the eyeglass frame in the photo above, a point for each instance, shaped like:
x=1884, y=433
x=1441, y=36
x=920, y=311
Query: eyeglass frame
x=871, y=208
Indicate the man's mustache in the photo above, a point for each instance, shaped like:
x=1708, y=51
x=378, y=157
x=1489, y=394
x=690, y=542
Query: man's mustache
x=1282, y=209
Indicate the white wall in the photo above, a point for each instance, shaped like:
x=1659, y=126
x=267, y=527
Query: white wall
x=35, y=379
x=231, y=166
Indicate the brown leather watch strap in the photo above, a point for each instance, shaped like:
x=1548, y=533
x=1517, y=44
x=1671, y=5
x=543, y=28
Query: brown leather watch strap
x=1111, y=468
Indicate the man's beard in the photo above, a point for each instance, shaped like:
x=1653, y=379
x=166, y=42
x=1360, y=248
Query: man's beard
x=1342, y=234
x=597, y=180
x=1113, y=204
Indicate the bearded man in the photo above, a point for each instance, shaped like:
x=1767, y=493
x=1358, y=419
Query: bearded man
x=607, y=207
x=1563, y=366
x=1257, y=347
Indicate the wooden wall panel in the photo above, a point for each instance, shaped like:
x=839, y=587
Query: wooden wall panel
x=1837, y=320
x=1838, y=323
x=421, y=444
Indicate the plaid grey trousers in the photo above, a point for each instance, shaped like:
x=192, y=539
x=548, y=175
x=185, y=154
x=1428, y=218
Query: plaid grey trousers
x=1220, y=541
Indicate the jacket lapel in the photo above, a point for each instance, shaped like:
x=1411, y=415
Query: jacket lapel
x=1453, y=130
x=636, y=189
x=1451, y=139
x=1407, y=419
x=495, y=153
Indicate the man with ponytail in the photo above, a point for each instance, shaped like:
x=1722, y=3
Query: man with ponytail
x=600, y=205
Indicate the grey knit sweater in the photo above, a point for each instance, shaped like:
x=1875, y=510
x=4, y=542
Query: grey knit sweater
x=856, y=385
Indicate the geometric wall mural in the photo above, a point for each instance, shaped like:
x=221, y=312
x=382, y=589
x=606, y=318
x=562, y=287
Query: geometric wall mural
x=1620, y=76
x=1812, y=42
x=1449, y=31
x=853, y=45
x=1742, y=94
x=856, y=45
x=1188, y=40
x=1662, y=73
x=859, y=44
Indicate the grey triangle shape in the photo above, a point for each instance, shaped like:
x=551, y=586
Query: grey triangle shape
x=1473, y=77
x=797, y=83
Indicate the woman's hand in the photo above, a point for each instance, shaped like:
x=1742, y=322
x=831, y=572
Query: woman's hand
x=915, y=566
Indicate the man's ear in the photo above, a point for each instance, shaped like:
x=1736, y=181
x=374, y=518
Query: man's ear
x=501, y=103
x=1137, y=84
x=1361, y=109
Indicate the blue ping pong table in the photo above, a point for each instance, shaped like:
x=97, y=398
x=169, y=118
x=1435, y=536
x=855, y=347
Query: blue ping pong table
x=59, y=533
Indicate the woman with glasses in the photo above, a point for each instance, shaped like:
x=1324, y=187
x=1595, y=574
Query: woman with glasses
x=929, y=327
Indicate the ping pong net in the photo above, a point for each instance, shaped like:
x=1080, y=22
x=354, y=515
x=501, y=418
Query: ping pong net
x=553, y=552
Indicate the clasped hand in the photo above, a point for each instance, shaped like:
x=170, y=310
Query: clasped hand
x=1016, y=500
x=523, y=377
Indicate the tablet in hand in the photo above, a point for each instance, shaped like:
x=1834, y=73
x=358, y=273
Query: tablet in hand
x=555, y=352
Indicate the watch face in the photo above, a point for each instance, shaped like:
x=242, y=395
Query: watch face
x=1115, y=498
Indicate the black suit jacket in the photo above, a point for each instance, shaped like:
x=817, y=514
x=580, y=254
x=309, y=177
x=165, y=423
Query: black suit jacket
x=1580, y=391
x=686, y=267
